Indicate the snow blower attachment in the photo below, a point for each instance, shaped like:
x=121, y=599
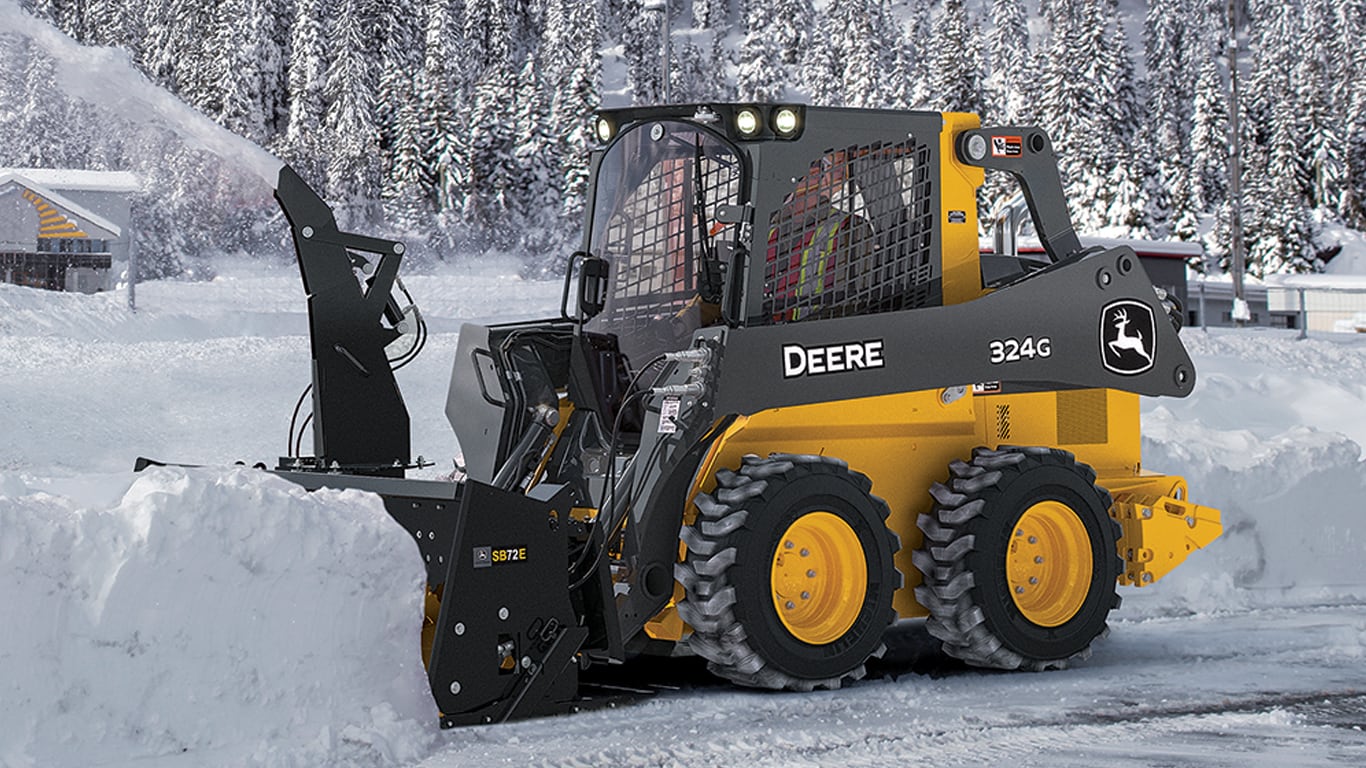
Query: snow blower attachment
x=791, y=402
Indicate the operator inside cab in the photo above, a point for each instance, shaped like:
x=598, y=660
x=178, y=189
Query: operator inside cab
x=814, y=240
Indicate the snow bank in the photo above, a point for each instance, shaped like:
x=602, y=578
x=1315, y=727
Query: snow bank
x=1272, y=437
x=227, y=617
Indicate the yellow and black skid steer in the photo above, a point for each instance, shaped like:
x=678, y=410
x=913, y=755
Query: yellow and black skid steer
x=788, y=401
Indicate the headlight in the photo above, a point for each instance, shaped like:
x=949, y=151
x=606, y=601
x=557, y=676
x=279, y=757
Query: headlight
x=747, y=122
x=605, y=130
x=785, y=121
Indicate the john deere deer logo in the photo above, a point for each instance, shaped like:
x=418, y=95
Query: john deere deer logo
x=1128, y=338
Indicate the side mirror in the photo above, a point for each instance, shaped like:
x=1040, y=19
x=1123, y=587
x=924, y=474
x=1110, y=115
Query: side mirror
x=593, y=271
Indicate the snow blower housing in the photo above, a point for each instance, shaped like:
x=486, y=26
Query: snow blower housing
x=787, y=401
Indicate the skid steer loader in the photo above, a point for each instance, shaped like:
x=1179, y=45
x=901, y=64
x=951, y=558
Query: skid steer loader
x=787, y=402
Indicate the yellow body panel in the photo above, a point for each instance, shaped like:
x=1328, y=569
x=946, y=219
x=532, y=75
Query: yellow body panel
x=904, y=442
x=958, y=183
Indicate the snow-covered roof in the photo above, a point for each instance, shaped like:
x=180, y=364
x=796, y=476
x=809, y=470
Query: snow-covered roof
x=1319, y=281
x=14, y=177
x=72, y=180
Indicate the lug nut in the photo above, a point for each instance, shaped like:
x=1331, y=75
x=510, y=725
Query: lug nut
x=1033, y=539
x=805, y=552
x=806, y=595
x=810, y=574
x=1033, y=579
x=1038, y=559
x=1019, y=590
x=791, y=605
x=788, y=545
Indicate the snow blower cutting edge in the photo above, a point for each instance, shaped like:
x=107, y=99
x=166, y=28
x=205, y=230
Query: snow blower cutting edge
x=787, y=401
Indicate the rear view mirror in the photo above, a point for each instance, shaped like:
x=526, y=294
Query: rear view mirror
x=592, y=286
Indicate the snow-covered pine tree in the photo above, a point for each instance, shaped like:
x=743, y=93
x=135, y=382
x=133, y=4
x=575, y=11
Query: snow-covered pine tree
x=955, y=63
x=350, y=128
x=250, y=58
x=1323, y=139
x=1008, y=88
x=1210, y=146
x=574, y=98
x=306, y=78
x=406, y=188
x=855, y=30
x=1068, y=107
x=641, y=37
x=13, y=58
x=1283, y=240
x=492, y=161
x=534, y=199
x=822, y=76
x=488, y=35
x=41, y=126
x=1350, y=101
x=1166, y=132
x=762, y=74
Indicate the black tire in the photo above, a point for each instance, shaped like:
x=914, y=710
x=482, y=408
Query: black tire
x=969, y=536
x=733, y=548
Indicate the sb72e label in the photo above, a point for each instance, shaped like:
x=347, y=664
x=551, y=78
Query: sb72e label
x=487, y=557
x=1014, y=350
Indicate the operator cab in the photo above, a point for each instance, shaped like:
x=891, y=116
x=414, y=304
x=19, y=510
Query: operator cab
x=760, y=214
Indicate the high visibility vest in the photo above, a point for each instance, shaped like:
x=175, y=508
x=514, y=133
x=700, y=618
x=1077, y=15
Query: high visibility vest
x=809, y=268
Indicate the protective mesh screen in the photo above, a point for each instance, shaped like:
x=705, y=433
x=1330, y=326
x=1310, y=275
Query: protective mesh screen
x=854, y=236
x=650, y=234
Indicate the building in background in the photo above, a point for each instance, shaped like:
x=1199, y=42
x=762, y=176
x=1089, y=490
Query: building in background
x=63, y=229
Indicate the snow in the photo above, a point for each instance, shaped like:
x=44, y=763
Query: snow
x=221, y=616
x=106, y=77
x=72, y=179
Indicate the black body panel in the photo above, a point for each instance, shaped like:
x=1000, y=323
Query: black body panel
x=950, y=346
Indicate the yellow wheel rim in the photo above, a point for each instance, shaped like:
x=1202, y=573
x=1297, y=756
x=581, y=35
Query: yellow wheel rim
x=819, y=578
x=1048, y=565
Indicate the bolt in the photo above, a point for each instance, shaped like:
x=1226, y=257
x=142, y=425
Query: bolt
x=503, y=613
x=1190, y=521
x=805, y=552
x=526, y=662
x=1147, y=578
x=1019, y=531
x=788, y=545
x=307, y=232
x=791, y=605
x=1033, y=579
x=1019, y=590
x=1033, y=539
x=455, y=687
x=1147, y=512
x=806, y=595
x=459, y=627
x=810, y=574
x=1038, y=559
x=431, y=535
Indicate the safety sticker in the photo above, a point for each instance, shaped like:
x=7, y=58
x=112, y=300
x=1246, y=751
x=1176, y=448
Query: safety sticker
x=668, y=416
x=1007, y=146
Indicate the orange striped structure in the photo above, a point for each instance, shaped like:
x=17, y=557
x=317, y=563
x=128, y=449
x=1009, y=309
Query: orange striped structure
x=51, y=222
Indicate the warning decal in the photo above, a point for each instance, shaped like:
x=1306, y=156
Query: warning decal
x=1007, y=146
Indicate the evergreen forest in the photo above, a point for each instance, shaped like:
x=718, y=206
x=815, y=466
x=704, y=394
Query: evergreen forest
x=463, y=126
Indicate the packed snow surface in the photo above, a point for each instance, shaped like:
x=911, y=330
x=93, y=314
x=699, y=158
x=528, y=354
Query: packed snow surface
x=222, y=616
